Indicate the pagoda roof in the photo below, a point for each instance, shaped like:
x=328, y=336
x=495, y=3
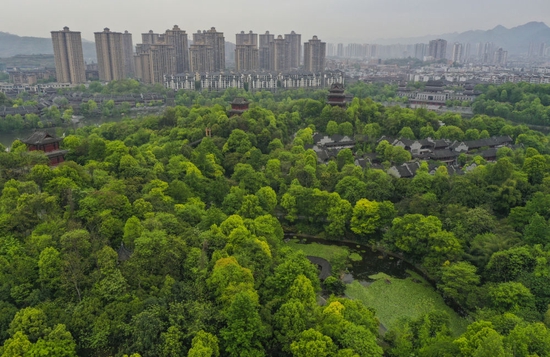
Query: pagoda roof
x=240, y=100
x=41, y=137
x=336, y=87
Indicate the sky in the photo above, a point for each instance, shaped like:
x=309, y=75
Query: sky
x=331, y=20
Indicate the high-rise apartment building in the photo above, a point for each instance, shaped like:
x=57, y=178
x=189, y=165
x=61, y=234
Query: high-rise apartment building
x=163, y=61
x=246, y=52
x=69, y=59
x=438, y=49
x=142, y=61
x=110, y=55
x=294, y=52
x=331, y=50
x=128, y=53
x=154, y=61
x=207, y=53
x=340, y=50
x=278, y=54
x=249, y=38
x=374, y=51
x=157, y=56
x=420, y=51
x=314, y=55
x=500, y=57
x=536, y=50
x=489, y=49
x=467, y=52
x=479, y=51
x=458, y=52
x=201, y=58
x=150, y=38
x=264, y=54
x=178, y=38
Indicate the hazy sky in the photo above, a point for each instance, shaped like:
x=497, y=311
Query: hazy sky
x=331, y=20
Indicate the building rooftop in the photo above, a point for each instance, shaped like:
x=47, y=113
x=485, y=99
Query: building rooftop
x=41, y=137
x=240, y=100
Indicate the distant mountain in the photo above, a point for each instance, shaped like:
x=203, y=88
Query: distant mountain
x=12, y=45
x=515, y=40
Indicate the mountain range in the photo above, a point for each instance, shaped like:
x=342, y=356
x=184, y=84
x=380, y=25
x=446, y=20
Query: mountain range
x=515, y=40
x=12, y=45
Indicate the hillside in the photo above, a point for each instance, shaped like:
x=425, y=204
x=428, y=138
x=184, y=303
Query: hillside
x=12, y=45
x=515, y=40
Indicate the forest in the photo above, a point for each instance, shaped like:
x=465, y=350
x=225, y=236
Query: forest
x=519, y=102
x=154, y=239
x=61, y=110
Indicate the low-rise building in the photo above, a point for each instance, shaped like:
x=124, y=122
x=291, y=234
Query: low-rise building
x=49, y=144
x=252, y=80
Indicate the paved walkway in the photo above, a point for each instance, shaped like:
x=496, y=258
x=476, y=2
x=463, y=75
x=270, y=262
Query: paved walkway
x=326, y=268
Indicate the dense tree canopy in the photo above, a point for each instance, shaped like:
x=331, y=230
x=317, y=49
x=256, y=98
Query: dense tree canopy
x=153, y=239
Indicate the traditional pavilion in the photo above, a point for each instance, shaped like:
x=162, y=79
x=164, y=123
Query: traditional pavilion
x=336, y=96
x=43, y=141
x=239, y=105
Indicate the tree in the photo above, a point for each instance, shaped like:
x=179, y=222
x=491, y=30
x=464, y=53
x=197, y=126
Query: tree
x=312, y=343
x=68, y=115
x=339, y=214
x=507, y=265
x=204, y=344
x=332, y=127
x=422, y=237
x=75, y=246
x=510, y=296
x=16, y=346
x=479, y=338
x=267, y=199
x=334, y=286
x=345, y=128
x=132, y=231
x=344, y=157
x=535, y=167
x=529, y=340
x=366, y=217
x=537, y=231
x=228, y=277
x=406, y=133
x=360, y=340
x=58, y=342
x=50, y=268
x=31, y=322
x=245, y=331
x=351, y=189
x=237, y=142
x=458, y=280
x=289, y=321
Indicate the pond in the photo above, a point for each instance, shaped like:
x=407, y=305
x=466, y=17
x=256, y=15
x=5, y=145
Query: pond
x=372, y=262
x=395, y=288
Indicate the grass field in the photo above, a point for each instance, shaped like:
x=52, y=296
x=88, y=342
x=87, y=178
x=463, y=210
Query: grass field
x=403, y=298
x=337, y=256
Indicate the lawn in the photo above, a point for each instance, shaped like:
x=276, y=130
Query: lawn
x=337, y=256
x=403, y=298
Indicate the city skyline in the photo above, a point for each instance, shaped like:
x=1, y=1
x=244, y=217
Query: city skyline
x=347, y=21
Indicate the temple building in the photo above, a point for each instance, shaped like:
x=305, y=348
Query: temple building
x=434, y=93
x=239, y=105
x=48, y=143
x=336, y=96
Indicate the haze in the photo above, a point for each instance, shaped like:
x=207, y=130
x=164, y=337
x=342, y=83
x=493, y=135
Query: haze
x=331, y=20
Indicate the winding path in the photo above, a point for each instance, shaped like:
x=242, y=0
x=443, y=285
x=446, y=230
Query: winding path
x=326, y=268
